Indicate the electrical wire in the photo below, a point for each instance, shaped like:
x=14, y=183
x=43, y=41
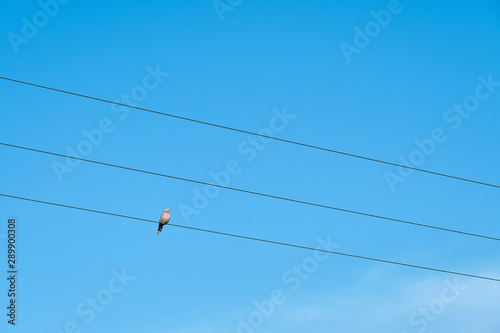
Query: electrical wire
x=255, y=193
x=253, y=133
x=258, y=239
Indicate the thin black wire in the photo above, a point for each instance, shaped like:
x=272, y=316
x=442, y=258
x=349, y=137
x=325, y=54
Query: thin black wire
x=257, y=239
x=253, y=133
x=256, y=193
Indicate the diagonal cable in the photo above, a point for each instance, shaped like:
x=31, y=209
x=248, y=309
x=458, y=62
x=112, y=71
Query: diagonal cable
x=253, y=133
x=260, y=239
x=257, y=193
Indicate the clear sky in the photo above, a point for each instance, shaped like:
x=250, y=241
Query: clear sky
x=409, y=80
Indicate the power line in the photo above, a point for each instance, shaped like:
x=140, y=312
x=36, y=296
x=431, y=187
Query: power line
x=253, y=133
x=256, y=239
x=256, y=193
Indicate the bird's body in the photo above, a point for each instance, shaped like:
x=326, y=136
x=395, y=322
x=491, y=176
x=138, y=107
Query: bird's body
x=164, y=219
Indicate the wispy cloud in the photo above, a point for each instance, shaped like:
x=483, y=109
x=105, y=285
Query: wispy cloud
x=421, y=305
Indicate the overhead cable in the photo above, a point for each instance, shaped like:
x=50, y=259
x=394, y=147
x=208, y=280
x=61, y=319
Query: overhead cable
x=254, y=133
x=256, y=193
x=261, y=240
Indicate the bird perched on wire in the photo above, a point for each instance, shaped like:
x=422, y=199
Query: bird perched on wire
x=164, y=219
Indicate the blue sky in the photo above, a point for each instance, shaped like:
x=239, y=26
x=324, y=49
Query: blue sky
x=258, y=66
